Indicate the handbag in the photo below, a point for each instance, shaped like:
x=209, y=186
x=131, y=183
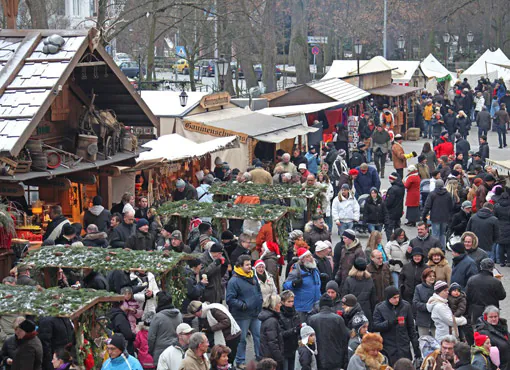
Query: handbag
x=455, y=329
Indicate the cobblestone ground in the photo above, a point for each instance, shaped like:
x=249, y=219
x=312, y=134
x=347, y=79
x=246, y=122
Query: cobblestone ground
x=409, y=146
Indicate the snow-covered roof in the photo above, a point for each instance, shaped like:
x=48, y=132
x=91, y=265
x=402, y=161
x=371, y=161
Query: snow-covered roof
x=167, y=103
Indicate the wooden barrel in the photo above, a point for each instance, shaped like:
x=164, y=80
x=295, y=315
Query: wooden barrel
x=82, y=147
x=34, y=146
x=39, y=161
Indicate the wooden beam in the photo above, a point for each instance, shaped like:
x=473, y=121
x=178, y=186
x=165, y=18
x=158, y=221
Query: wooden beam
x=16, y=62
x=90, y=64
x=80, y=94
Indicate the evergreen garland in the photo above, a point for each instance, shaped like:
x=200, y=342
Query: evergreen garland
x=266, y=192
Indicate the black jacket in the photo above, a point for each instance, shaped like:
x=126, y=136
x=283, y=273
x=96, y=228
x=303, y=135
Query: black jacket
x=463, y=125
x=440, y=205
x=194, y=289
x=189, y=193
x=395, y=200
x=502, y=213
x=117, y=208
x=325, y=271
x=140, y=241
x=483, y=120
x=55, y=333
x=95, y=280
x=425, y=244
x=52, y=225
x=348, y=316
x=313, y=234
x=375, y=211
x=449, y=123
x=120, y=235
x=422, y=293
x=29, y=355
x=486, y=227
x=100, y=219
x=332, y=339
x=9, y=349
x=499, y=337
x=484, y=151
x=364, y=290
x=462, y=146
x=99, y=239
x=239, y=251
x=483, y=290
x=409, y=278
x=290, y=324
x=459, y=222
x=396, y=338
x=271, y=338
x=119, y=323
x=118, y=279
x=331, y=156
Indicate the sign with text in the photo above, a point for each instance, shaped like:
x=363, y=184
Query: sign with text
x=213, y=131
x=215, y=100
x=317, y=39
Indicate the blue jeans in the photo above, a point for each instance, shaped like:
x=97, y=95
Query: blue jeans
x=428, y=129
x=394, y=275
x=372, y=227
x=439, y=231
x=253, y=325
x=328, y=220
x=344, y=226
x=501, y=135
x=482, y=131
x=494, y=253
x=369, y=155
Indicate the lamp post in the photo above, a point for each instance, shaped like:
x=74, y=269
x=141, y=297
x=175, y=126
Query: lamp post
x=446, y=40
x=401, y=44
x=358, y=47
x=222, y=66
x=183, y=97
x=470, y=38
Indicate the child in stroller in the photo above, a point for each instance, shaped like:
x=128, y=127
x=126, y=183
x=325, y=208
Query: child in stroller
x=360, y=226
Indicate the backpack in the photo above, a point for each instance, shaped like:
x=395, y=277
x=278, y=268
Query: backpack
x=356, y=159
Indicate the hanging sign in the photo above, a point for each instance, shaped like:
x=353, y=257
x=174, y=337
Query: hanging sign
x=215, y=100
x=213, y=131
x=11, y=189
x=59, y=183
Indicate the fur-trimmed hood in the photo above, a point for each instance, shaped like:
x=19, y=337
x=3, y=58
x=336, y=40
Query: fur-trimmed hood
x=359, y=275
x=473, y=236
x=434, y=251
x=309, y=227
x=354, y=244
x=371, y=363
x=96, y=236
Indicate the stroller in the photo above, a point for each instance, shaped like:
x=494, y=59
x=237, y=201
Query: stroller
x=361, y=226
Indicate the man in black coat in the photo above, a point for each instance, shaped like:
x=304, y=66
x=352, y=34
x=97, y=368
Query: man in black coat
x=94, y=280
x=58, y=220
x=394, y=203
x=393, y=319
x=449, y=121
x=485, y=225
x=484, y=148
x=184, y=191
x=120, y=234
x=55, y=333
x=462, y=146
x=332, y=154
x=322, y=250
x=97, y=215
x=460, y=220
x=119, y=323
x=440, y=205
x=332, y=336
x=483, y=120
x=483, y=290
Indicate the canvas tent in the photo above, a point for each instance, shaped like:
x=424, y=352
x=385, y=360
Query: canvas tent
x=487, y=65
x=435, y=72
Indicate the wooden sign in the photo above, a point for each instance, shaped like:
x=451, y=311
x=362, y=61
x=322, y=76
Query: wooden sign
x=213, y=131
x=215, y=100
x=83, y=177
x=59, y=183
x=11, y=189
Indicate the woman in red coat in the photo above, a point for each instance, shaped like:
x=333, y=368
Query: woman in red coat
x=412, y=184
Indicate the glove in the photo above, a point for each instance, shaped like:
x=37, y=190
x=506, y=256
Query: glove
x=400, y=263
x=297, y=283
x=392, y=262
x=415, y=154
x=217, y=262
x=324, y=276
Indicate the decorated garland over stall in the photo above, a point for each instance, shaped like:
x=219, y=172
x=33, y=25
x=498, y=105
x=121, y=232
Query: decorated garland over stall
x=266, y=192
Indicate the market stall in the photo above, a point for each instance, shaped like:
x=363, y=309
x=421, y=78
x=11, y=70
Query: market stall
x=82, y=307
x=179, y=214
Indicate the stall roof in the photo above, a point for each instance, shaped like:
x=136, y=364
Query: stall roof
x=259, y=126
x=432, y=68
x=82, y=166
x=339, y=90
x=167, y=103
x=297, y=109
x=30, y=82
x=393, y=90
x=174, y=147
x=487, y=65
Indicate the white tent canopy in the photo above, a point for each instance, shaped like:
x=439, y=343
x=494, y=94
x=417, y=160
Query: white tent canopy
x=434, y=70
x=487, y=66
x=174, y=147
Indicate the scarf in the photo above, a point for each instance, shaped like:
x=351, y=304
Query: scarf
x=371, y=363
x=219, y=338
x=262, y=277
x=239, y=271
x=63, y=366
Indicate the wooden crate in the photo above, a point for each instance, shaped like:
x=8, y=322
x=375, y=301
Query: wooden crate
x=413, y=134
x=23, y=167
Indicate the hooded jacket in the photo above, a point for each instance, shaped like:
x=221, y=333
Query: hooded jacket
x=345, y=209
x=364, y=182
x=123, y=362
x=360, y=284
x=244, y=297
x=440, y=205
x=484, y=225
x=463, y=268
x=313, y=234
x=119, y=323
x=395, y=199
x=483, y=290
x=348, y=255
x=374, y=211
x=397, y=251
x=442, y=316
x=98, y=216
x=442, y=269
x=309, y=292
x=171, y=357
x=422, y=294
x=410, y=277
x=396, y=338
x=99, y=239
x=332, y=339
x=55, y=333
x=476, y=254
x=162, y=332
x=271, y=338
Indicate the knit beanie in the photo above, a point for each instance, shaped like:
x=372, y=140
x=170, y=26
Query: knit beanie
x=349, y=234
x=305, y=333
x=439, y=286
x=28, y=326
x=358, y=321
x=455, y=286
x=325, y=301
x=391, y=291
x=118, y=340
x=480, y=339
x=487, y=264
x=458, y=248
x=360, y=264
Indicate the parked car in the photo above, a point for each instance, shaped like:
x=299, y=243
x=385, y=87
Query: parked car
x=122, y=57
x=207, y=67
x=181, y=66
x=258, y=72
x=131, y=69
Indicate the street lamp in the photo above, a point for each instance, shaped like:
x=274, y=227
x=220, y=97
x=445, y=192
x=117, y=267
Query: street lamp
x=470, y=38
x=358, y=47
x=401, y=44
x=446, y=40
x=222, y=65
x=183, y=97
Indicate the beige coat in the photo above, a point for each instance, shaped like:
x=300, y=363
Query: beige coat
x=443, y=269
x=193, y=362
x=398, y=154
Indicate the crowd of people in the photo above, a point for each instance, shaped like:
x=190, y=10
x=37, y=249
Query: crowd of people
x=392, y=302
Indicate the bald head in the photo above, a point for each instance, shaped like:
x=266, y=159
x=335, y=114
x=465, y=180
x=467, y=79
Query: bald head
x=310, y=180
x=376, y=257
x=129, y=217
